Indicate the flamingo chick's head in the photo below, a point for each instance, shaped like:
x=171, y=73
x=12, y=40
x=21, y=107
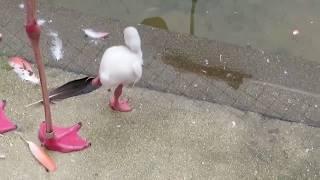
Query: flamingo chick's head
x=132, y=40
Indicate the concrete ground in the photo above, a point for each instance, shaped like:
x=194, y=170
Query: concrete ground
x=165, y=137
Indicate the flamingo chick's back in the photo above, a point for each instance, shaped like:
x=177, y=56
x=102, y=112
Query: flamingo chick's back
x=119, y=65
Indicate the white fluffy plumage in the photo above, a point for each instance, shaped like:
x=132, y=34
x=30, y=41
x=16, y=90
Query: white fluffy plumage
x=122, y=64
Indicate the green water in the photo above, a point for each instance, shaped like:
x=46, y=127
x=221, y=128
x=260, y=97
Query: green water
x=262, y=24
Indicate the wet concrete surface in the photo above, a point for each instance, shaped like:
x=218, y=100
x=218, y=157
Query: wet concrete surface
x=165, y=137
x=275, y=85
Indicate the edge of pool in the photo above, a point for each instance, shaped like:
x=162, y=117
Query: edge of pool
x=275, y=85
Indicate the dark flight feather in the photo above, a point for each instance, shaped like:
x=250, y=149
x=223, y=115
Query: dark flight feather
x=70, y=89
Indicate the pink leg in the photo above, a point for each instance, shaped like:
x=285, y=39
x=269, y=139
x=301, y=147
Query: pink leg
x=117, y=104
x=52, y=137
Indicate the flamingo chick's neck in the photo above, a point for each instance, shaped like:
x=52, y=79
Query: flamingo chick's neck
x=132, y=40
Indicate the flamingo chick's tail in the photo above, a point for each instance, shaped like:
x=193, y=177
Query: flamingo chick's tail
x=73, y=88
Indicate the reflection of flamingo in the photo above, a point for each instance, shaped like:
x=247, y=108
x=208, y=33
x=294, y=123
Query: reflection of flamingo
x=193, y=7
x=53, y=138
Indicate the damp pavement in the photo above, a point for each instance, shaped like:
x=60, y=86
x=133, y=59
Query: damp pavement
x=164, y=137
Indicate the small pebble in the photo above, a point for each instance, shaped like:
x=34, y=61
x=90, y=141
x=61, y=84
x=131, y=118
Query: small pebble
x=2, y=156
x=233, y=124
x=229, y=75
x=205, y=72
x=21, y=6
x=41, y=22
x=206, y=61
x=307, y=150
x=295, y=32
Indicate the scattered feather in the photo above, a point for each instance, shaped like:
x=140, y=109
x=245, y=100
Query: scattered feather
x=21, y=6
x=56, y=48
x=0, y=36
x=204, y=71
x=2, y=156
x=295, y=32
x=233, y=124
x=23, y=69
x=206, y=61
x=39, y=153
x=25, y=75
x=95, y=35
x=41, y=22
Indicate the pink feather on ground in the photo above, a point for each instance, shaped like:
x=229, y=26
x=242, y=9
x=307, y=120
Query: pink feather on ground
x=23, y=68
x=5, y=123
x=41, y=156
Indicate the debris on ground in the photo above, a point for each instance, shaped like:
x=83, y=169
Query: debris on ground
x=39, y=153
x=41, y=22
x=2, y=156
x=94, y=34
x=21, y=6
x=23, y=69
x=233, y=124
x=295, y=32
x=56, y=48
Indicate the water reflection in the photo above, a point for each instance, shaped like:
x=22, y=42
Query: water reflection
x=182, y=62
x=193, y=8
x=266, y=25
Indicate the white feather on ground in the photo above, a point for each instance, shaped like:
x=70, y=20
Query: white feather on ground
x=95, y=35
x=25, y=75
x=56, y=48
x=21, y=6
x=41, y=22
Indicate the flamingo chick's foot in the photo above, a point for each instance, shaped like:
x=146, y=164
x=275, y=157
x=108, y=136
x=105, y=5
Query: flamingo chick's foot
x=120, y=105
x=64, y=139
x=5, y=123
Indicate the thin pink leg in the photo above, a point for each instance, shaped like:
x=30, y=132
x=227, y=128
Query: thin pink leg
x=117, y=104
x=52, y=137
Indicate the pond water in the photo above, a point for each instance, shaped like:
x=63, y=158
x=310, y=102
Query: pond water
x=286, y=26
